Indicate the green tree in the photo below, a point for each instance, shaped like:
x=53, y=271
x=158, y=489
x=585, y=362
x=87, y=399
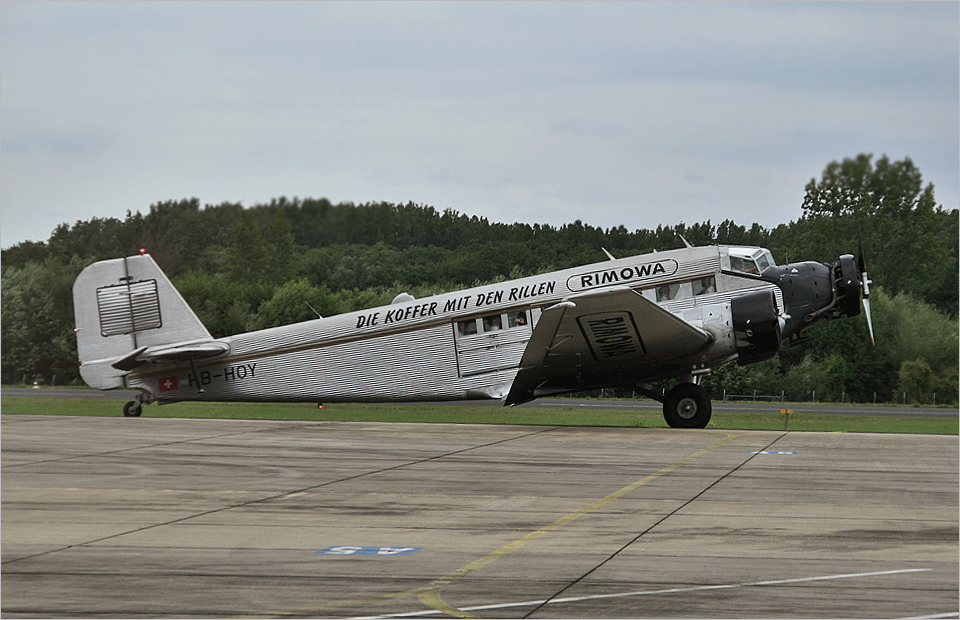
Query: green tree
x=37, y=327
x=281, y=250
x=762, y=378
x=24, y=252
x=824, y=379
x=906, y=329
x=224, y=306
x=248, y=254
x=917, y=380
x=909, y=329
x=909, y=241
x=946, y=386
x=295, y=302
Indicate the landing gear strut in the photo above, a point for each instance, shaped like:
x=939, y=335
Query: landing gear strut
x=687, y=406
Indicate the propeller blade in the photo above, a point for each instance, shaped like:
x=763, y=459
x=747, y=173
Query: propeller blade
x=864, y=283
x=866, y=309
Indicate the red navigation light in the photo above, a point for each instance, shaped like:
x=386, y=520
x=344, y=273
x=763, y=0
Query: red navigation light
x=143, y=251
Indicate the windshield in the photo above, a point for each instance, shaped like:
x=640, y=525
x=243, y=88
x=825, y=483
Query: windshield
x=750, y=260
x=762, y=262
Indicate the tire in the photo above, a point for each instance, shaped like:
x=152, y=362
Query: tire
x=687, y=406
x=132, y=409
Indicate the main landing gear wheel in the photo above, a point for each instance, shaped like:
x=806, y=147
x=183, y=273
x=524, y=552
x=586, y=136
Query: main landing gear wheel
x=132, y=409
x=687, y=406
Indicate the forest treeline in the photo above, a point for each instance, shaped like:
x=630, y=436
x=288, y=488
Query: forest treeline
x=272, y=264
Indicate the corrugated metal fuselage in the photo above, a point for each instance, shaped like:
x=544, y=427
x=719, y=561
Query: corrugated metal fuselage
x=446, y=347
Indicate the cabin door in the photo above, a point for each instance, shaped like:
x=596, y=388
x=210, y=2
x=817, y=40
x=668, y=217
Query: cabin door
x=491, y=342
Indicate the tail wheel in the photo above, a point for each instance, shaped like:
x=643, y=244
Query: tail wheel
x=687, y=406
x=132, y=409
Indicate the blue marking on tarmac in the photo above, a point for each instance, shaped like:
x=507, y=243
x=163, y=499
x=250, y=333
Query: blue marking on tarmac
x=348, y=550
x=769, y=452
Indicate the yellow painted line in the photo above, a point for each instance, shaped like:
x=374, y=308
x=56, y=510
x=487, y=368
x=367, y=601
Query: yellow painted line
x=429, y=594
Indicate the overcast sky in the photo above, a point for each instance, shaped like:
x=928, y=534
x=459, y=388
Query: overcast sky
x=632, y=113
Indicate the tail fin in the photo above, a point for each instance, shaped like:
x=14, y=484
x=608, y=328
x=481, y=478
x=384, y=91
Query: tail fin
x=128, y=313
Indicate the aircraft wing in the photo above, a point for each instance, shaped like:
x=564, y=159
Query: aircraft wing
x=170, y=353
x=601, y=337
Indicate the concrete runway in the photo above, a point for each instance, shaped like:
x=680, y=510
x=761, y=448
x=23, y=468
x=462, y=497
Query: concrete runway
x=148, y=517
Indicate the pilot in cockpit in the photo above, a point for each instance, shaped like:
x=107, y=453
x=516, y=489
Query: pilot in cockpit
x=744, y=265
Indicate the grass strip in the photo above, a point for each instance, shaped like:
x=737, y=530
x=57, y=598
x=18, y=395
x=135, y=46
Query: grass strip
x=643, y=417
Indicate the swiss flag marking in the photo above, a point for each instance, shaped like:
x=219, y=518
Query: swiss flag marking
x=170, y=383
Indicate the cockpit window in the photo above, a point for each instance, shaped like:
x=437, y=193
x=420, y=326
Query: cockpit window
x=769, y=257
x=762, y=262
x=750, y=260
x=743, y=265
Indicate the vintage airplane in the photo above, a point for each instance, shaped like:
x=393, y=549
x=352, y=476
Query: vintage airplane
x=619, y=323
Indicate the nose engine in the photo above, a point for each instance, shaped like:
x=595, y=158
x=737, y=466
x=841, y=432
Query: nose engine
x=814, y=291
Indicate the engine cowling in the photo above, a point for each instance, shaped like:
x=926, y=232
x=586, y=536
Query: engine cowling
x=814, y=291
x=756, y=324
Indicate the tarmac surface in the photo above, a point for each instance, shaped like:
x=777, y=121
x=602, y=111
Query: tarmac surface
x=162, y=517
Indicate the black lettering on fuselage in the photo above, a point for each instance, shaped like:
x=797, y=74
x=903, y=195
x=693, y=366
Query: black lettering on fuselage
x=526, y=291
x=622, y=275
x=612, y=336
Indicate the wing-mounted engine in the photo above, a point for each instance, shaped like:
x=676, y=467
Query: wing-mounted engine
x=756, y=324
x=603, y=338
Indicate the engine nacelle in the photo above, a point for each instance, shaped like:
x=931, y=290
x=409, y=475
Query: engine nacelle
x=756, y=325
x=814, y=291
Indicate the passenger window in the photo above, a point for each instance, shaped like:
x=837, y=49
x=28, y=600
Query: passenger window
x=517, y=319
x=492, y=323
x=467, y=328
x=706, y=284
x=666, y=292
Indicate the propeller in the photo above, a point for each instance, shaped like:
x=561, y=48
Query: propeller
x=865, y=283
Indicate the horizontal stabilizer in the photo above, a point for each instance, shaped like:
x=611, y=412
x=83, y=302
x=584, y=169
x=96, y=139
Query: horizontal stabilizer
x=172, y=353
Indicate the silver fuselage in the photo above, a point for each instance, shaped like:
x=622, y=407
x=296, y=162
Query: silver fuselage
x=414, y=350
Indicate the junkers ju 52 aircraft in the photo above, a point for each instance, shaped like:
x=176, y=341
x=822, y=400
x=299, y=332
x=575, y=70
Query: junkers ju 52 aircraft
x=619, y=323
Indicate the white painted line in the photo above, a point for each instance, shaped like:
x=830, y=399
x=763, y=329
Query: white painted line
x=577, y=599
